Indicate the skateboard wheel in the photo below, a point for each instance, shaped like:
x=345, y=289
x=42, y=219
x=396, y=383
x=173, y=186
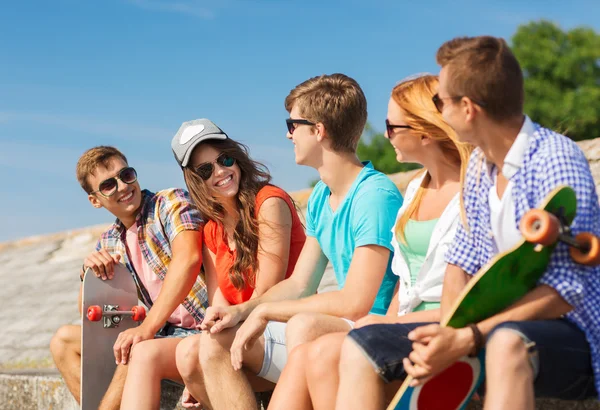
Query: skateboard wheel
x=592, y=243
x=139, y=313
x=539, y=226
x=94, y=313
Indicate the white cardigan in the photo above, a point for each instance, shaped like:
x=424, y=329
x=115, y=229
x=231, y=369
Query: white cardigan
x=428, y=286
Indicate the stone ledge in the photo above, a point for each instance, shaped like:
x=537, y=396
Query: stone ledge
x=45, y=389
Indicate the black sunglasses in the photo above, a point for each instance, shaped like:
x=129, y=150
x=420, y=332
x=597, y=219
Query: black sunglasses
x=205, y=170
x=390, y=127
x=439, y=101
x=109, y=186
x=290, y=124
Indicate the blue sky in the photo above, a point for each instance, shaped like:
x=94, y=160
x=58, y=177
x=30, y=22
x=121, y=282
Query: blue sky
x=79, y=73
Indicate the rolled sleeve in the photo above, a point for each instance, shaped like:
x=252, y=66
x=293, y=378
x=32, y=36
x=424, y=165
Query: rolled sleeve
x=178, y=214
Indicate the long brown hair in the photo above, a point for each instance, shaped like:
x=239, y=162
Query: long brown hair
x=254, y=176
x=414, y=97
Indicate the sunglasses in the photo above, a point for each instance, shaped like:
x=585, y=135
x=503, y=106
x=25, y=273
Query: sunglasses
x=439, y=101
x=291, y=127
x=206, y=169
x=390, y=127
x=109, y=186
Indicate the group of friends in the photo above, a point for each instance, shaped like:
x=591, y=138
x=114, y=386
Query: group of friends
x=230, y=272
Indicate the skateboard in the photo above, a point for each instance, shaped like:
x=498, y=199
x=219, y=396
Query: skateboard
x=501, y=282
x=109, y=307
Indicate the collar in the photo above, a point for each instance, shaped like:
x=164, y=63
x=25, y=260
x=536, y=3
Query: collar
x=118, y=226
x=515, y=156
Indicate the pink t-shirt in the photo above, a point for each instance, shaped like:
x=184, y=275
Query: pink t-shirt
x=180, y=317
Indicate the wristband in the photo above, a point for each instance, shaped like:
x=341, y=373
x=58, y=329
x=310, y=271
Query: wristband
x=478, y=338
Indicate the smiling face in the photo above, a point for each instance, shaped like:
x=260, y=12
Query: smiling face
x=406, y=143
x=306, y=144
x=126, y=201
x=224, y=181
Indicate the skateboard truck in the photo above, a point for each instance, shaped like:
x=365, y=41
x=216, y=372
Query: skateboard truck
x=112, y=315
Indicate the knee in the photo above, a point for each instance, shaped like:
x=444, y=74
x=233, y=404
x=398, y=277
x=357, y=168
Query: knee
x=145, y=353
x=322, y=357
x=186, y=356
x=506, y=351
x=301, y=329
x=214, y=347
x=66, y=337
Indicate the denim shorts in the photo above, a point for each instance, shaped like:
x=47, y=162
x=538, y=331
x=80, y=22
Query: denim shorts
x=559, y=354
x=168, y=330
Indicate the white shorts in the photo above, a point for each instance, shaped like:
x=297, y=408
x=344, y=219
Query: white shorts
x=275, y=351
x=275, y=356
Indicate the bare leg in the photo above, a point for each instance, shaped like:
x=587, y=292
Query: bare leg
x=360, y=387
x=306, y=327
x=188, y=365
x=65, y=348
x=291, y=391
x=322, y=369
x=228, y=389
x=112, y=397
x=151, y=361
x=509, y=375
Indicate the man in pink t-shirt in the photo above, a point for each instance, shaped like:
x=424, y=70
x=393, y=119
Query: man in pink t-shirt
x=158, y=237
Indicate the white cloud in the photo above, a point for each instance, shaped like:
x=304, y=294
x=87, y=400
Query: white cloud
x=194, y=8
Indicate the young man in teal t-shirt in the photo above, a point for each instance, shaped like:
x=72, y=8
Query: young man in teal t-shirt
x=349, y=220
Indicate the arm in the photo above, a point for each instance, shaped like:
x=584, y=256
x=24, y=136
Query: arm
x=455, y=279
x=395, y=303
x=181, y=275
x=215, y=296
x=304, y=281
x=353, y=301
x=274, y=239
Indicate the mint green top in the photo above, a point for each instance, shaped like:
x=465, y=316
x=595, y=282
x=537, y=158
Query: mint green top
x=417, y=235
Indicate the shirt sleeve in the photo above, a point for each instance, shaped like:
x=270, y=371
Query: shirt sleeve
x=373, y=216
x=568, y=167
x=178, y=214
x=465, y=250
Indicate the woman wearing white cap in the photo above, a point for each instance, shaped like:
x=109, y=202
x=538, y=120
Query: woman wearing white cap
x=252, y=239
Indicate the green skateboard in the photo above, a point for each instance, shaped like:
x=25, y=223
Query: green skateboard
x=497, y=285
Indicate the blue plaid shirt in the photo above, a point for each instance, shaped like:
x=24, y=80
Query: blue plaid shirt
x=550, y=160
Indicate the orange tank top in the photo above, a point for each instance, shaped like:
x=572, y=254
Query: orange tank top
x=215, y=240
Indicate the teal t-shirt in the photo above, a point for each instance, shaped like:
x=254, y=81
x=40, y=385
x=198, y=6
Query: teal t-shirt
x=364, y=217
x=417, y=235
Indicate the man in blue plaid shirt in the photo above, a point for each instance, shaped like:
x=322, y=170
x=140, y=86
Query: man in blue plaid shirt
x=547, y=343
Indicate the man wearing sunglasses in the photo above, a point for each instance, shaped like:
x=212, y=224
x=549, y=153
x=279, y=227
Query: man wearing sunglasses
x=157, y=236
x=349, y=220
x=547, y=344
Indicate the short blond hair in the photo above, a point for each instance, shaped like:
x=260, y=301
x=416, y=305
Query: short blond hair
x=93, y=158
x=338, y=102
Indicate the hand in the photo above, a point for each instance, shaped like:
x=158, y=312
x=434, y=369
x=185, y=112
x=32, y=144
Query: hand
x=187, y=400
x=129, y=338
x=102, y=263
x=434, y=349
x=218, y=318
x=246, y=336
x=374, y=320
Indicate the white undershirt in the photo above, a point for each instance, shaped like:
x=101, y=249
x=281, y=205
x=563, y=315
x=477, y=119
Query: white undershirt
x=502, y=210
x=502, y=218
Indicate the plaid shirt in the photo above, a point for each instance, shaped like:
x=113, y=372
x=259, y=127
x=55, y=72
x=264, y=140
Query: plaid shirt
x=163, y=215
x=550, y=160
